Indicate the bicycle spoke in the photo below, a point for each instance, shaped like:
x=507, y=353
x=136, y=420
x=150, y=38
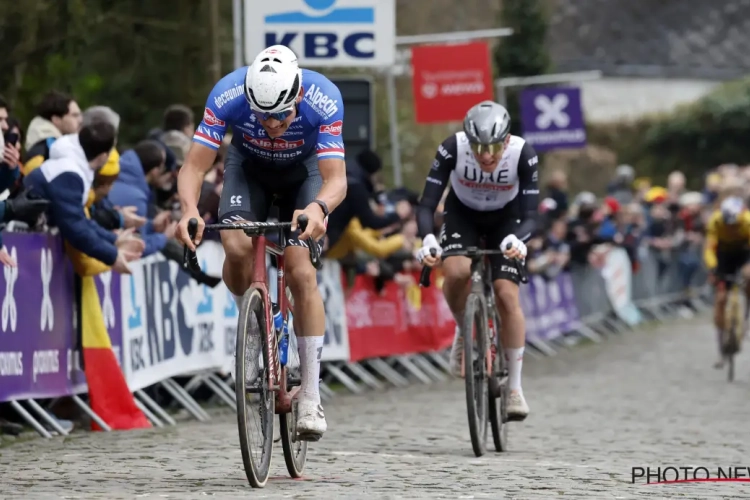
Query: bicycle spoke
x=295, y=450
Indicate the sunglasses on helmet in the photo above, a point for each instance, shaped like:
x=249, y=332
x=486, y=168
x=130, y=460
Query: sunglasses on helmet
x=279, y=115
x=492, y=149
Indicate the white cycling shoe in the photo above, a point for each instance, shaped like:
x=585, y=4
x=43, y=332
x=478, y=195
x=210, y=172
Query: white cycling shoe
x=457, y=358
x=518, y=410
x=311, y=422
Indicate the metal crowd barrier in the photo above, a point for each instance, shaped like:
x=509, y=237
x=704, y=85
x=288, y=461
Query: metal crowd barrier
x=582, y=305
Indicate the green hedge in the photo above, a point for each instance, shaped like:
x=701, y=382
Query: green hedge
x=694, y=138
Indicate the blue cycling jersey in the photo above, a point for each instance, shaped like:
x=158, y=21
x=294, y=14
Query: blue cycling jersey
x=317, y=128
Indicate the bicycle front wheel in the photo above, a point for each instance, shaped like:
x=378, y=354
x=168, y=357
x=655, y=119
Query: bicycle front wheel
x=498, y=389
x=255, y=398
x=475, y=372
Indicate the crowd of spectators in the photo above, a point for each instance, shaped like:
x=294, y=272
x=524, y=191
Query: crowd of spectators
x=66, y=172
x=373, y=232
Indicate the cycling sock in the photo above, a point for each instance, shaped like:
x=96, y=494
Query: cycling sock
x=459, y=319
x=310, y=350
x=514, y=357
x=238, y=300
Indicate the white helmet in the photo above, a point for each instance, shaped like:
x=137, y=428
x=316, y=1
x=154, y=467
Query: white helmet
x=731, y=208
x=273, y=80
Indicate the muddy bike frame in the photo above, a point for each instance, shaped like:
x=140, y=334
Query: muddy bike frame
x=278, y=382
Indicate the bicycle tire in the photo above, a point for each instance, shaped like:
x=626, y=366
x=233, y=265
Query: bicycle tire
x=733, y=332
x=295, y=450
x=498, y=390
x=254, y=305
x=475, y=372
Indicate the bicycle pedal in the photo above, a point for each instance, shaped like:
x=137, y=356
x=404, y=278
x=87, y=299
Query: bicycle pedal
x=310, y=437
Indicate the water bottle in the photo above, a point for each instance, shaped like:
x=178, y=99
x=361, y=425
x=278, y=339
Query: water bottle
x=284, y=344
x=278, y=320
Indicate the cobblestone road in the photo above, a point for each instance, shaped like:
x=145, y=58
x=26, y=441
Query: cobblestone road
x=648, y=398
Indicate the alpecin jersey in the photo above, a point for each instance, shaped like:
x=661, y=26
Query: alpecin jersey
x=317, y=130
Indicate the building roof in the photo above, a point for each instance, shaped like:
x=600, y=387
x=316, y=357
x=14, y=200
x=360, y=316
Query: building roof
x=652, y=38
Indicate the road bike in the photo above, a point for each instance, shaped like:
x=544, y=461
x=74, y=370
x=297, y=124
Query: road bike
x=485, y=370
x=261, y=381
x=734, y=320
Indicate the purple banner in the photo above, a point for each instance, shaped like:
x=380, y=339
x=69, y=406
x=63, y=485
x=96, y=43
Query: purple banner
x=552, y=118
x=549, y=307
x=108, y=286
x=36, y=320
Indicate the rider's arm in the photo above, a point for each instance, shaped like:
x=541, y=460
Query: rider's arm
x=330, y=150
x=198, y=162
x=333, y=173
x=528, y=192
x=437, y=180
x=709, y=247
x=206, y=142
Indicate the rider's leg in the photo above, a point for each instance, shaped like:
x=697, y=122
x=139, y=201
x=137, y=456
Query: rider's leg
x=308, y=308
x=241, y=199
x=238, y=262
x=720, y=302
x=746, y=277
x=513, y=334
x=456, y=271
x=458, y=233
x=309, y=315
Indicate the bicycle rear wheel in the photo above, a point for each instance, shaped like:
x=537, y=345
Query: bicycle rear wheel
x=253, y=389
x=295, y=450
x=475, y=372
x=498, y=389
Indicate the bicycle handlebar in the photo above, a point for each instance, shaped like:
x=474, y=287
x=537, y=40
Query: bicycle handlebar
x=424, y=278
x=190, y=258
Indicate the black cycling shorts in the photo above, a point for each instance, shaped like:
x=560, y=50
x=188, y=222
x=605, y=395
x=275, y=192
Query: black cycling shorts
x=464, y=227
x=252, y=187
x=728, y=263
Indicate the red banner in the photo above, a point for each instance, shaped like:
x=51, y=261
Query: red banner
x=398, y=320
x=449, y=79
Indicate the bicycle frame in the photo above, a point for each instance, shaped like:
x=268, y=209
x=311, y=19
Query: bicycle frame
x=261, y=246
x=276, y=373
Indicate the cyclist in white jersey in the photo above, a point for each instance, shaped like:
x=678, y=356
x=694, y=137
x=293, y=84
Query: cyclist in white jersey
x=494, y=195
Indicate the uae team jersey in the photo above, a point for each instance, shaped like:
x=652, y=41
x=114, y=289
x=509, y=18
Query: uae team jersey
x=316, y=130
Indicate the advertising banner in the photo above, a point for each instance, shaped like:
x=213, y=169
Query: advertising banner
x=552, y=118
x=618, y=285
x=36, y=339
x=396, y=320
x=549, y=307
x=171, y=324
x=449, y=79
x=328, y=33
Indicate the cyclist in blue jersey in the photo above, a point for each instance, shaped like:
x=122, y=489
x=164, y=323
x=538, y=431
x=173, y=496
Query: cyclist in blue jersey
x=286, y=147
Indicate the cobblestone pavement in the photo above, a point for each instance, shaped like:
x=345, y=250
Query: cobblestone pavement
x=648, y=398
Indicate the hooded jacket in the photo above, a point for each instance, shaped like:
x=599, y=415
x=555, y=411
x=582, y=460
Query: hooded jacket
x=131, y=189
x=39, y=130
x=65, y=180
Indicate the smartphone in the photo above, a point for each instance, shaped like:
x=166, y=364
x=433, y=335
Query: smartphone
x=11, y=138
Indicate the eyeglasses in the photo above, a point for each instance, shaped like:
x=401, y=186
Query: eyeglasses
x=492, y=149
x=280, y=115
